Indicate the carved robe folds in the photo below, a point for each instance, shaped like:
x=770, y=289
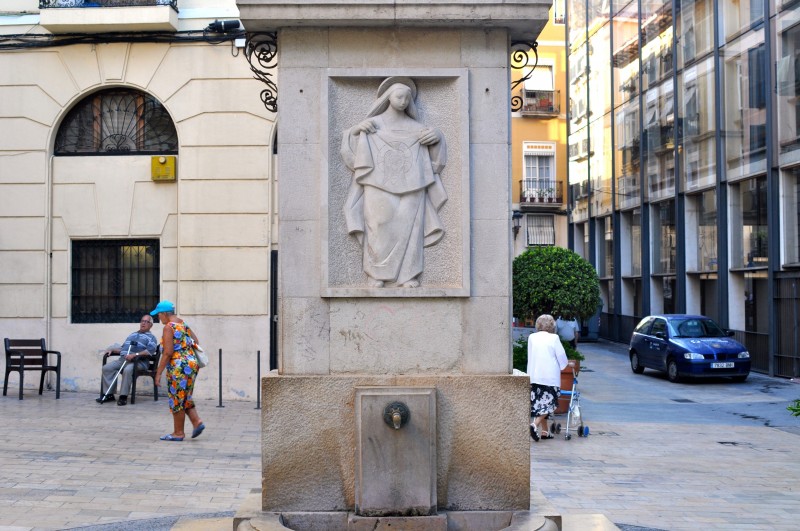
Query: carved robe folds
x=393, y=200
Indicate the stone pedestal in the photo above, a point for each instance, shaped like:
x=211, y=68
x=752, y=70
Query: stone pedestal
x=338, y=331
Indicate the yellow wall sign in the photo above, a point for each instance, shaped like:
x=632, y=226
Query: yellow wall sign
x=162, y=168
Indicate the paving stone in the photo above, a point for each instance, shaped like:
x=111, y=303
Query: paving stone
x=725, y=461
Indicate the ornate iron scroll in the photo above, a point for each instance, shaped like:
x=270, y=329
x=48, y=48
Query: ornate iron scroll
x=520, y=59
x=263, y=47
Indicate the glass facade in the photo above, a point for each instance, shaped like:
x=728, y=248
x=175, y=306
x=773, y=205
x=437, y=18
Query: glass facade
x=684, y=166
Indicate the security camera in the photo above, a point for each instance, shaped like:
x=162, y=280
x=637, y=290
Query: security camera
x=223, y=26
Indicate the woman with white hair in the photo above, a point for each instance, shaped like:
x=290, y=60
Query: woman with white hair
x=394, y=198
x=546, y=359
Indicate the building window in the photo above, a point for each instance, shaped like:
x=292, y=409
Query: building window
x=117, y=122
x=664, y=237
x=541, y=230
x=635, y=220
x=707, y=232
x=749, y=235
x=559, y=11
x=756, y=68
x=539, y=167
x=606, y=250
x=539, y=180
x=541, y=78
x=791, y=213
x=114, y=281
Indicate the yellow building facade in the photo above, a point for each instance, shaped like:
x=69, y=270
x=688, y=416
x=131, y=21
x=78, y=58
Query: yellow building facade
x=539, y=138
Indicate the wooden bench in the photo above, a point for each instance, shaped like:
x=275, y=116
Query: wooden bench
x=30, y=355
x=152, y=366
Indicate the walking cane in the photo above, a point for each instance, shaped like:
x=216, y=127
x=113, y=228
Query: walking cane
x=111, y=385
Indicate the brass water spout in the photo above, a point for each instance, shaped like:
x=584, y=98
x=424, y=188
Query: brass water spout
x=396, y=420
x=396, y=415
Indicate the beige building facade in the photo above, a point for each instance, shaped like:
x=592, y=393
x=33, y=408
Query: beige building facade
x=88, y=132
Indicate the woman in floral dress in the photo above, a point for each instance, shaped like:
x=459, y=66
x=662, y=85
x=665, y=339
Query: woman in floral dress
x=180, y=362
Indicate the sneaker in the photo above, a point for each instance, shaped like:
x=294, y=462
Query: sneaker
x=123, y=400
x=101, y=400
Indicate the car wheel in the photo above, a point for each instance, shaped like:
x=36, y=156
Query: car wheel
x=672, y=371
x=636, y=367
x=740, y=379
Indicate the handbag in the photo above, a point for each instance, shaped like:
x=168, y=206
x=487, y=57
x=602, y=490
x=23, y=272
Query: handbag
x=200, y=354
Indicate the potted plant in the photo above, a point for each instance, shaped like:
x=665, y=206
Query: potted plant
x=555, y=281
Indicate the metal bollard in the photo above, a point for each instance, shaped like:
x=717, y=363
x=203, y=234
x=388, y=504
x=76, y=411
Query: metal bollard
x=258, y=379
x=220, y=378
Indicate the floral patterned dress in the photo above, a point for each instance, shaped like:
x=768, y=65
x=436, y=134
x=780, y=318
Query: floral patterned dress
x=181, y=369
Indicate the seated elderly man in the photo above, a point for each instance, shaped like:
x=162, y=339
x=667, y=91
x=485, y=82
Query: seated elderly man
x=137, y=349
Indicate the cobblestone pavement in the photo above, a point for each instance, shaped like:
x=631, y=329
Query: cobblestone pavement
x=661, y=456
x=72, y=462
x=697, y=455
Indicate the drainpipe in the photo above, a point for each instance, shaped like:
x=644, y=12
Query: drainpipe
x=48, y=256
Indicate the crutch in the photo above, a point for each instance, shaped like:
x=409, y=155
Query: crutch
x=111, y=385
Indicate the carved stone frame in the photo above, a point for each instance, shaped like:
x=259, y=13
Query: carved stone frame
x=443, y=102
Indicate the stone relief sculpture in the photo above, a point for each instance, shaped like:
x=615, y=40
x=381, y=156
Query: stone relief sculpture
x=392, y=206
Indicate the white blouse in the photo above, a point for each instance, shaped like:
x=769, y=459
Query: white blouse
x=546, y=358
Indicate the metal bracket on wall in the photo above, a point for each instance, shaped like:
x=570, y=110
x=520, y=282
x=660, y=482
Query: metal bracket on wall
x=261, y=52
x=520, y=60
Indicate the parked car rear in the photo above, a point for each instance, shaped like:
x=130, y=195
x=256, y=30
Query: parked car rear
x=685, y=345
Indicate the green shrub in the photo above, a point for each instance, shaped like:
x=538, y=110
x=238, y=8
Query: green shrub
x=794, y=408
x=555, y=281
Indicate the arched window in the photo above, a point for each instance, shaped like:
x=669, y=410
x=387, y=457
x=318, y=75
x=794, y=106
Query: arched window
x=117, y=122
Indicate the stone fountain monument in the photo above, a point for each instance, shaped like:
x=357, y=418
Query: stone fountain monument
x=394, y=405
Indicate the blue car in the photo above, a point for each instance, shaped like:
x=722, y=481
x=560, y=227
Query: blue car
x=687, y=346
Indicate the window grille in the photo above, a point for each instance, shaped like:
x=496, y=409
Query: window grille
x=114, y=281
x=117, y=122
x=541, y=230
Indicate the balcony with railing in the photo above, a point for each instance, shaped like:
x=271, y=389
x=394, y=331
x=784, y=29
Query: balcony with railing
x=541, y=103
x=537, y=194
x=105, y=16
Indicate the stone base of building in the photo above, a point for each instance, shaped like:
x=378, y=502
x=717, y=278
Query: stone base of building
x=250, y=517
x=309, y=441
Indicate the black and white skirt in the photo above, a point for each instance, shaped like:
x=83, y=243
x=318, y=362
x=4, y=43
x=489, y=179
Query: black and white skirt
x=544, y=399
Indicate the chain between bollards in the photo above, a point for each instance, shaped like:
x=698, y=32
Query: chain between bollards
x=258, y=379
x=220, y=378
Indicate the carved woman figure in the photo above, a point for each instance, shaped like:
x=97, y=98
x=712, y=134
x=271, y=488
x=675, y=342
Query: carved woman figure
x=394, y=198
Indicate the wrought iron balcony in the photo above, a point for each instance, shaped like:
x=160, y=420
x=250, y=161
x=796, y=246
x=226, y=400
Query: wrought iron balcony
x=537, y=193
x=544, y=103
x=47, y=4
x=106, y=16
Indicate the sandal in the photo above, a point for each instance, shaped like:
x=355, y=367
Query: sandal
x=170, y=437
x=198, y=430
x=546, y=435
x=534, y=434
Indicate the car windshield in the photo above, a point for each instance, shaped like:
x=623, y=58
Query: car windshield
x=695, y=327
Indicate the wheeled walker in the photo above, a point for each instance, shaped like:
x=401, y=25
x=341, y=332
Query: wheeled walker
x=574, y=419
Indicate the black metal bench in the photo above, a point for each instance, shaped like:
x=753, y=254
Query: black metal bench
x=152, y=366
x=30, y=355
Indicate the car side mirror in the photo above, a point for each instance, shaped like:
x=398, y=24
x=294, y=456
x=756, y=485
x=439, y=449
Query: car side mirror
x=661, y=335
x=730, y=333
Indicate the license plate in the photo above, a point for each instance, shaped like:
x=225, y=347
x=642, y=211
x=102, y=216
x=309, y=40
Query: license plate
x=722, y=365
